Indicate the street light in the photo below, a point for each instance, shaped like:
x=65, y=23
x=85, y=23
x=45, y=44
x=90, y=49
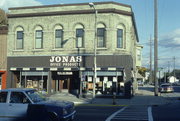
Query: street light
x=95, y=42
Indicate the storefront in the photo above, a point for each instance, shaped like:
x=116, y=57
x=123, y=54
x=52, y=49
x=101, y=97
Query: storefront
x=73, y=74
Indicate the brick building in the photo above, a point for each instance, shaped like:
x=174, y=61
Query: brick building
x=3, y=56
x=52, y=47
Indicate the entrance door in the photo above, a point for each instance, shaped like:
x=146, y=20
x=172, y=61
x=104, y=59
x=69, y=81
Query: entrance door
x=65, y=84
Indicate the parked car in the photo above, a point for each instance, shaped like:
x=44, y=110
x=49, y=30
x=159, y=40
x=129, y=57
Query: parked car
x=29, y=105
x=166, y=88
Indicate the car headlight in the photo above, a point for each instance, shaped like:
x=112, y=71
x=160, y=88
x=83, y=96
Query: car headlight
x=64, y=111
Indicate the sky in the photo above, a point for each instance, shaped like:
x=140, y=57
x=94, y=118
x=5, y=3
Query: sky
x=168, y=25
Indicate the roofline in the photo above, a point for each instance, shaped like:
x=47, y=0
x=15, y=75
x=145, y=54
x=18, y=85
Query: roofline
x=90, y=11
x=135, y=27
x=72, y=4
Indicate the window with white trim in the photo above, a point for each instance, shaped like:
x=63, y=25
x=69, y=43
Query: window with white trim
x=101, y=37
x=58, y=38
x=79, y=38
x=120, y=42
x=19, y=38
x=38, y=38
x=119, y=38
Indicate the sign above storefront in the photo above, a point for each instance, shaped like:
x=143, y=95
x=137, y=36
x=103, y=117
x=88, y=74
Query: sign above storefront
x=65, y=61
x=64, y=73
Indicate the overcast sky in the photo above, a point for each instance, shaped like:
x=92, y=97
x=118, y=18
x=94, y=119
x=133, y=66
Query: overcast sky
x=168, y=24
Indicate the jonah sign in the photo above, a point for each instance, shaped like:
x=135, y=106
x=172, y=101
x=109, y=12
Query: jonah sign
x=65, y=61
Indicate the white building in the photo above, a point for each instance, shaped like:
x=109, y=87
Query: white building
x=172, y=79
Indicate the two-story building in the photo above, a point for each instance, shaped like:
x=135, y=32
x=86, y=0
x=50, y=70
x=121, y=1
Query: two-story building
x=3, y=55
x=52, y=47
x=3, y=48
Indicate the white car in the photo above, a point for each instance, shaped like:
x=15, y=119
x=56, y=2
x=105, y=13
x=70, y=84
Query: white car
x=29, y=105
x=166, y=88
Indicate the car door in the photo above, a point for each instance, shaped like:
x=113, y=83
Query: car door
x=3, y=105
x=18, y=104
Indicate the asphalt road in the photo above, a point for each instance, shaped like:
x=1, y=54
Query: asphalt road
x=95, y=112
x=168, y=112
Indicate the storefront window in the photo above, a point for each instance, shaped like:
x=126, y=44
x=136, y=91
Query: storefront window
x=36, y=80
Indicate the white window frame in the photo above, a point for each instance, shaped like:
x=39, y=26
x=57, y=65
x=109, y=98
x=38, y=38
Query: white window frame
x=38, y=29
x=17, y=40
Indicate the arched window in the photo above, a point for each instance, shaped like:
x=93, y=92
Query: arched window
x=120, y=36
x=58, y=37
x=19, y=38
x=38, y=37
x=101, y=36
x=79, y=36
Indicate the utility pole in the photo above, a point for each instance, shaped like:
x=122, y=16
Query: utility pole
x=155, y=47
x=150, y=79
x=165, y=75
x=168, y=67
x=174, y=68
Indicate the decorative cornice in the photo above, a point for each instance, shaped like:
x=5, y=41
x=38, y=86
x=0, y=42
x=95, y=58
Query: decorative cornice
x=73, y=4
x=69, y=13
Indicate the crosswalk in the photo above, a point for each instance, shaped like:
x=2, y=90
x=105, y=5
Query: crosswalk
x=132, y=113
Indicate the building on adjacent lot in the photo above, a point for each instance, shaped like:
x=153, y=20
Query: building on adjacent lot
x=3, y=55
x=172, y=79
x=3, y=48
x=52, y=47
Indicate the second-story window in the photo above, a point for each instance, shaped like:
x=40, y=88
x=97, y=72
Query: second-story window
x=119, y=38
x=58, y=38
x=101, y=37
x=39, y=39
x=79, y=38
x=20, y=40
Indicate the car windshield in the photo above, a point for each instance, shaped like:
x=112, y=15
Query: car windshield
x=35, y=96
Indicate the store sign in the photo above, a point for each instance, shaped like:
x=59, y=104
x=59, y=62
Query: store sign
x=64, y=73
x=65, y=61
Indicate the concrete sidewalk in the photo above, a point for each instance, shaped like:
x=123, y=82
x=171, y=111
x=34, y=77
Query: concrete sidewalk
x=142, y=97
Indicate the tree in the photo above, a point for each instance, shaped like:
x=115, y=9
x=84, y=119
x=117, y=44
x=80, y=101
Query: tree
x=3, y=18
x=142, y=71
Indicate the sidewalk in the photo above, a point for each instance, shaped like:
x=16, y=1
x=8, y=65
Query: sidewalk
x=142, y=97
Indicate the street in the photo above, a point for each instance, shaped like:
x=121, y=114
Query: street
x=135, y=111
x=169, y=112
x=95, y=112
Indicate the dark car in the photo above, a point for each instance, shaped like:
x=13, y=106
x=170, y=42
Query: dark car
x=166, y=88
x=28, y=104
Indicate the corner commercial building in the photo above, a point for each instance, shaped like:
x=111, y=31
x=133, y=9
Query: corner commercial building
x=52, y=47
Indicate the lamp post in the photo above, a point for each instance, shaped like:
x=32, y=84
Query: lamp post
x=155, y=47
x=95, y=42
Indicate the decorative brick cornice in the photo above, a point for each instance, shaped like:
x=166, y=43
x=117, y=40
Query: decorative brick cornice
x=69, y=13
x=73, y=4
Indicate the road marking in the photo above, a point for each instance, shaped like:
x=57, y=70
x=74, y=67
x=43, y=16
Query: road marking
x=132, y=112
x=150, y=117
x=114, y=114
